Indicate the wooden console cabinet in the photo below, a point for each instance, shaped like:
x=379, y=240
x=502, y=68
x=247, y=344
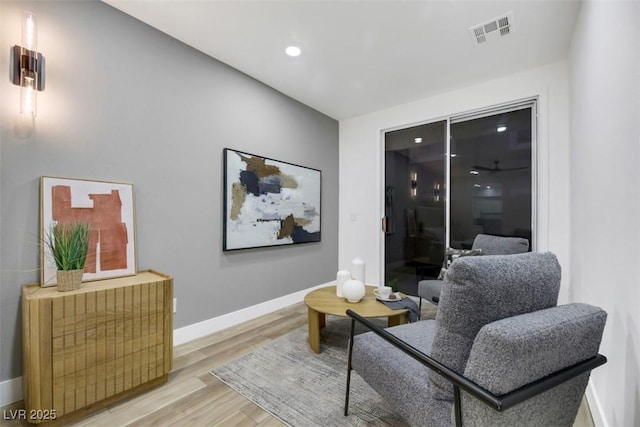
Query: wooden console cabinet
x=87, y=348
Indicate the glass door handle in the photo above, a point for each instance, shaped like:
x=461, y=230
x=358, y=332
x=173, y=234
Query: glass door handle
x=384, y=224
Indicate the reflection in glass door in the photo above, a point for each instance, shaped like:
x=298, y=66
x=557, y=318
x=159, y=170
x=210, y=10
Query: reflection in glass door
x=440, y=195
x=491, y=176
x=414, y=204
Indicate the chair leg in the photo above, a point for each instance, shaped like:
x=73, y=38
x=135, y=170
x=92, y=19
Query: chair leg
x=420, y=308
x=456, y=406
x=346, y=397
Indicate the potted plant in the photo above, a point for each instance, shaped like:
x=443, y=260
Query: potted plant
x=68, y=244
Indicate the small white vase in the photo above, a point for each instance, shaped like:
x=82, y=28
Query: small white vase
x=353, y=290
x=341, y=277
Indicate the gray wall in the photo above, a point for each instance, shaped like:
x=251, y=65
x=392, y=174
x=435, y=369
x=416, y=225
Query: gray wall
x=127, y=103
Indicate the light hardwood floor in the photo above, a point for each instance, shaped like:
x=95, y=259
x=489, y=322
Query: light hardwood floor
x=193, y=397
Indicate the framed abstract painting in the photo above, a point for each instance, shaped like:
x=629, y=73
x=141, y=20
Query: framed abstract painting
x=269, y=202
x=109, y=210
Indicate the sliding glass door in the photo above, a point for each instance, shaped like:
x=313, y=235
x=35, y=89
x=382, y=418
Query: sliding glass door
x=414, y=203
x=491, y=176
x=446, y=182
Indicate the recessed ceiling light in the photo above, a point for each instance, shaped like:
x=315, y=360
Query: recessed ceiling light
x=454, y=155
x=474, y=172
x=293, y=51
x=418, y=140
x=501, y=128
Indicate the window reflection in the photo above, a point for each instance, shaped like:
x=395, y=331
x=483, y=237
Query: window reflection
x=491, y=177
x=490, y=182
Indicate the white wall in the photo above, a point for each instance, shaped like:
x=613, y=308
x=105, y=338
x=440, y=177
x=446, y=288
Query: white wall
x=361, y=173
x=605, y=201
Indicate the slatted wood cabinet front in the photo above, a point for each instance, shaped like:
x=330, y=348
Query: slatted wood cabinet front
x=103, y=342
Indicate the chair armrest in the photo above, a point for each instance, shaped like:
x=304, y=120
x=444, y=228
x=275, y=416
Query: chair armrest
x=499, y=403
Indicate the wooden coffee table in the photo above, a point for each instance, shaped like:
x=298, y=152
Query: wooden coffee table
x=324, y=301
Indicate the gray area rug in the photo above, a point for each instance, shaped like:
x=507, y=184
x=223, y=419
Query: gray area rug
x=302, y=388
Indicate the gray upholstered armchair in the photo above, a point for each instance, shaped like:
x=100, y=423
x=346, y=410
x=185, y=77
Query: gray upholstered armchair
x=484, y=244
x=499, y=353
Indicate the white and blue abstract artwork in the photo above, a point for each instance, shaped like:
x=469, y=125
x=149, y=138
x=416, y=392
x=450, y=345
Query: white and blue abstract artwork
x=269, y=202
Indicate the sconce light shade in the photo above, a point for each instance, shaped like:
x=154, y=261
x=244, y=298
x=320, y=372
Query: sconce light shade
x=414, y=184
x=28, y=65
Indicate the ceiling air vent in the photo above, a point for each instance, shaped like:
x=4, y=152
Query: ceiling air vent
x=492, y=29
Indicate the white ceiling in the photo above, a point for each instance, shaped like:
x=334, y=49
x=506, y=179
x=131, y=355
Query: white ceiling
x=362, y=56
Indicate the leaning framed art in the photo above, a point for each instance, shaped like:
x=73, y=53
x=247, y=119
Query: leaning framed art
x=269, y=202
x=109, y=210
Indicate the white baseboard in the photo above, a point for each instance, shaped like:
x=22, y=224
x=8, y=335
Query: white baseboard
x=215, y=324
x=595, y=407
x=11, y=390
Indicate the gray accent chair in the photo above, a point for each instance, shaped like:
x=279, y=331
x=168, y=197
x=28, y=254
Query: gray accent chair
x=487, y=245
x=499, y=353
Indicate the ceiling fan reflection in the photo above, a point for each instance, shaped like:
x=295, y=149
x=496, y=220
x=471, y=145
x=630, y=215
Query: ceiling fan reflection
x=497, y=168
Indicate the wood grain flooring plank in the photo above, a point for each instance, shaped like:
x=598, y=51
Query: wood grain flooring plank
x=271, y=422
x=206, y=399
x=256, y=413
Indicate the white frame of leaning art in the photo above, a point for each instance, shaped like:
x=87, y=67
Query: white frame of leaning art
x=269, y=202
x=77, y=200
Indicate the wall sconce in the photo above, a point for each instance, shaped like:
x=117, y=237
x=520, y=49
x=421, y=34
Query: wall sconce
x=414, y=184
x=436, y=192
x=28, y=65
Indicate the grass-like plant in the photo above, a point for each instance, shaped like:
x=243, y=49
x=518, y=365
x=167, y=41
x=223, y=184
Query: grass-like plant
x=68, y=244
